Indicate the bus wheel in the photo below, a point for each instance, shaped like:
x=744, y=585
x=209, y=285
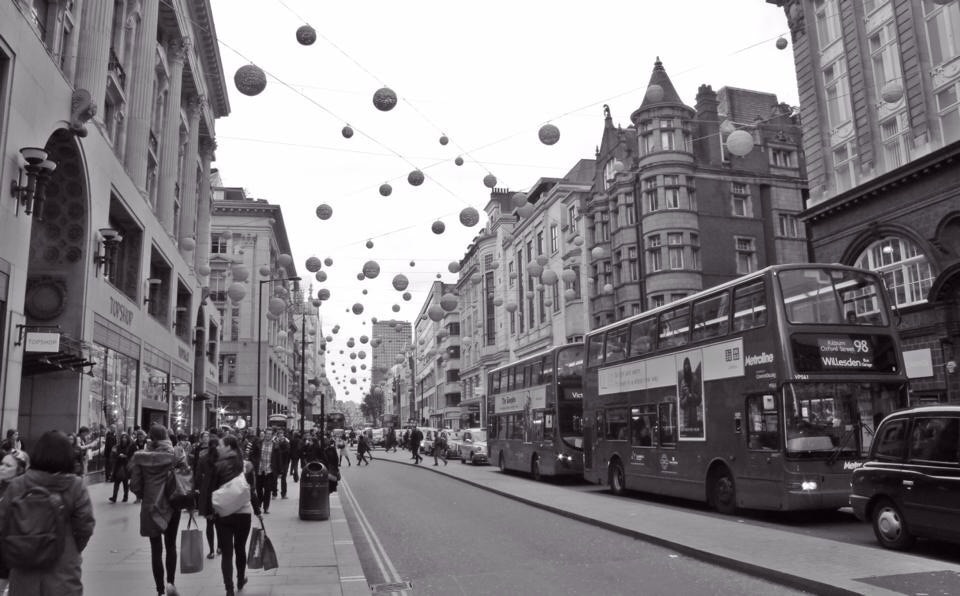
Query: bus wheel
x=617, y=480
x=723, y=493
x=501, y=463
x=889, y=526
x=535, y=469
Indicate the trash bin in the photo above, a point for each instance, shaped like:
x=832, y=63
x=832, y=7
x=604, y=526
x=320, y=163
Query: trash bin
x=314, y=492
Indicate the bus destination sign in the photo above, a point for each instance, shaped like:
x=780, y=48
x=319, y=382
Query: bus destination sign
x=835, y=352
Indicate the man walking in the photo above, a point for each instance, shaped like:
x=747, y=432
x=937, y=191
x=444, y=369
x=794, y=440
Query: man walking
x=440, y=447
x=415, y=438
x=283, y=462
x=296, y=451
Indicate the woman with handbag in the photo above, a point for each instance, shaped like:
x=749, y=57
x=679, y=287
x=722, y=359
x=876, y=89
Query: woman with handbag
x=159, y=520
x=233, y=497
x=122, y=452
x=205, y=458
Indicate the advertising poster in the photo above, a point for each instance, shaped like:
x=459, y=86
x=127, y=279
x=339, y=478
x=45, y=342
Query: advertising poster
x=690, y=402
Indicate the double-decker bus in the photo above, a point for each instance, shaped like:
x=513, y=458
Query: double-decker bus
x=760, y=393
x=335, y=420
x=536, y=413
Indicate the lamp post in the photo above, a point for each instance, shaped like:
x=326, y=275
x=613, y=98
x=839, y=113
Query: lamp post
x=260, y=335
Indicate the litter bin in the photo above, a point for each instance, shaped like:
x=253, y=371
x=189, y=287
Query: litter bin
x=314, y=492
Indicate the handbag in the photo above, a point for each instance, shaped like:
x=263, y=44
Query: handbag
x=232, y=496
x=255, y=552
x=191, y=548
x=179, y=487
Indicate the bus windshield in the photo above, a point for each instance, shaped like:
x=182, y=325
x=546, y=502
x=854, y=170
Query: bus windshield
x=832, y=297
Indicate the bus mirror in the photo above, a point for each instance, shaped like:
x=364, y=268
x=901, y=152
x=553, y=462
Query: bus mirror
x=737, y=422
x=768, y=403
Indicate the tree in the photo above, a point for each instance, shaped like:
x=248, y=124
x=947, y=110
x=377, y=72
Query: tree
x=372, y=405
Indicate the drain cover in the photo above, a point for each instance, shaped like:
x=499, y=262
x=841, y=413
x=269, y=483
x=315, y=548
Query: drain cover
x=392, y=587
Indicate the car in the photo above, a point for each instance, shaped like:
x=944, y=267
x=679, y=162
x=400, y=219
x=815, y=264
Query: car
x=909, y=487
x=473, y=446
x=376, y=437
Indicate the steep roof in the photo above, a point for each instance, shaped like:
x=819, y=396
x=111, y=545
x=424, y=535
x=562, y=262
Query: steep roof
x=669, y=96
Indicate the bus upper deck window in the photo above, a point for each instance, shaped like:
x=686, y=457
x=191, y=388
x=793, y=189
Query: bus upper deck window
x=595, y=350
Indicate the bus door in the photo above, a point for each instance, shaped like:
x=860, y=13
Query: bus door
x=759, y=435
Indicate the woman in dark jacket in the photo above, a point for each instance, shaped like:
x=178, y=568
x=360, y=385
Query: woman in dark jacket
x=52, y=467
x=122, y=452
x=205, y=458
x=331, y=459
x=233, y=529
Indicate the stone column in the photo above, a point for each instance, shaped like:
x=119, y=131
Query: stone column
x=204, y=208
x=69, y=52
x=188, y=182
x=93, y=53
x=140, y=94
x=170, y=143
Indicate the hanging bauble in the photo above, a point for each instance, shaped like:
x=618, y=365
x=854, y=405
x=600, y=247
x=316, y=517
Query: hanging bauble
x=435, y=312
x=360, y=276
x=498, y=301
x=490, y=181
x=336, y=329
x=361, y=354
x=444, y=140
x=511, y=306
x=357, y=308
x=265, y=271
x=442, y=334
x=597, y=252
x=250, y=79
x=518, y=199
x=654, y=94
x=281, y=292
x=236, y=291
x=549, y=277
x=400, y=282
x=364, y=339
x=569, y=294
x=407, y=296
x=188, y=244
x=740, y=142
x=321, y=276
x=375, y=342
x=525, y=211
x=781, y=43
x=350, y=343
x=415, y=178
x=371, y=269
x=328, y=261
x=469, y=217
x=542, y=260
x=396, y=308
x=347, y=131
x=324, y=211
x=329, y=338
x=549, y=134
x=891, y=92
x=578, y=240
x=548, y=301
x=316, y=302
x=313, y=264
x=240, y=273
x=458, y=161
x=203, y=269
x=727, y=127
x=272, y=317
x=385, y=189
x=568, y=276
x=529, y=293
x=439, y=276
x=617, y=166
x=373, y=320
x=285, y=261
x=453, y=267
x=364, y=292
x=448, y=302
x=495, y=265
x=323, y=294
x=607, y=288
x=476, y=277
x=384, y=99
x=276, y=306
x=438, y=227
x=306, y=35
x=534, y=268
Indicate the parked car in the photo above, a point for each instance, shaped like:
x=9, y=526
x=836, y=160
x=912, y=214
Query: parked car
x=426, y=445
x=376, y=437
x=454, y=438
x=910, y=485
x=473, y=446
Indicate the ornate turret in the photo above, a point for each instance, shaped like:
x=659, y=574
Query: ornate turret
x=660, y=92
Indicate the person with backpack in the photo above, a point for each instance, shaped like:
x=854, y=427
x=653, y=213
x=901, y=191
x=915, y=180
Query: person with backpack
x=46, y=520
x=159, y=519
x=13, y=463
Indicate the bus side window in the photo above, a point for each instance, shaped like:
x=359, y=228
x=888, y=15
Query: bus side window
x=642, y=336
x=616, y=347
x=763, y=426
x=749, y=306
x=667, y=423
x=595, y=350
x=642, y=422
x=711, y=317
x=675, y=327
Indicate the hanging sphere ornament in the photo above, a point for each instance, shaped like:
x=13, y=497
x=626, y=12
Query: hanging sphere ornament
x=373, y=320
x=369, y=244
x=549, y=277
x=250, y=80
x=306, y=35
x=364, y=339
x=781, y=43
x=188, y=244
x=313, y=264
x=444, y=140
x=385, y=190
x=364, y=292
x=265, y=271
x=285, y=261
x=568, y=276
x=357, y=308
x=276, y=306
x=891, y=92
x=529, y=294
x=371, y=269
x=396, y=308
x=519, y=199
x=203, y=269
x=498, y=301
x=607, y=288
x=435, y=312
x=236, y=291
x=542, y=260
x=490, y=181
x=240, y=273
x=323, y=294
x=597, y=252
x=740, y=143
x=654, y=93
x=347, y=131
x=495, y=265
x=453, y=267
x=400, y=282
x=469, y=217
x=439, y=276
x=534, y=268
x=316, y=302
x=448, y=302
x=384, y=99
x=549, y=134
x=324, y=211
x=525, y=211
x=458, y=161
x=328, y=261
x=548, y=301
x=321, y=276
x=569, y=294
x=727, y=127
x=413, y=263
x=407, y=296
x=438, y=227
x=511, y=306
x=361, y=276
x=415, y=178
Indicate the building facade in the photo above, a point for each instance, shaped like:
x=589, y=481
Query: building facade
x=436, y=368
x=879, y=83
x=107, y=112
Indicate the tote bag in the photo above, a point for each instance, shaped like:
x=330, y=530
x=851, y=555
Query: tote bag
x=232, y=496
x=191, y=548
x=261, y=554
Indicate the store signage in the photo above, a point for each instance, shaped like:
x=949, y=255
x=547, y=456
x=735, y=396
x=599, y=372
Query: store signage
x=121, y=312
x=42, y=342
x=183, y=353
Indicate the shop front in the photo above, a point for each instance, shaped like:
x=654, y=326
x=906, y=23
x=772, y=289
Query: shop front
x=154, y=389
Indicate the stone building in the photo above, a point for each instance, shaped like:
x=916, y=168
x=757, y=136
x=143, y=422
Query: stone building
x=436, y=358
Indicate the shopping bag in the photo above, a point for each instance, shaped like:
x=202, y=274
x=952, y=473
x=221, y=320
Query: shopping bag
x=255, y=552
x=231, y=497
x=269, y=554
x=191, y=548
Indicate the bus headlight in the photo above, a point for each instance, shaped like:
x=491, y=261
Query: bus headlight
x=808, y=485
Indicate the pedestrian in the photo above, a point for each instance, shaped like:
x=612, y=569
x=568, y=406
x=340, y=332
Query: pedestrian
x=122, y=453
x=83, y=447
x=109, y=442
x=263, y=465
x=13, y=463
x=332, y=460
x=312, y=451
x=406, y=439
x=393, y=440
x=159, y=520
x=296, y=451
x=51, y=466
x=342, y=449
x=415, y=437
x=12, y=441
x=283, y=462
x=440, y=447
x=204, y=475
x=363, y=448
x=233, y=529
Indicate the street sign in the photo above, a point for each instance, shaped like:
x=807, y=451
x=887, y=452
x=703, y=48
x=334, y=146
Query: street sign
x=48, y=343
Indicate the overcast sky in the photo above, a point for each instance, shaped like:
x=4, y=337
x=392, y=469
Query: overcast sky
x=487, y=75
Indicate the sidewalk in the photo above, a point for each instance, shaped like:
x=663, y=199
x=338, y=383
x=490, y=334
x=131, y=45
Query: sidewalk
x=819, y=565
x=316, y=557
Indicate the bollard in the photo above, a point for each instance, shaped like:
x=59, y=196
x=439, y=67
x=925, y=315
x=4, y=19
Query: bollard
x=314, y=492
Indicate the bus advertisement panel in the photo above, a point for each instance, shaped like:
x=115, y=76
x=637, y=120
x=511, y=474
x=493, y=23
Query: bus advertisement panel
x=760, y=393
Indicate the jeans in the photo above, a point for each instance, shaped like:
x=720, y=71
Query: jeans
x=166, y=540
x=209, y=531
x=116, y=487
x=264, y=489
x=232, y=533
x=283, y=482
x=295, y=467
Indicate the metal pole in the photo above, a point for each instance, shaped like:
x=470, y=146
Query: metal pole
x=303, y=363
x=259, y=345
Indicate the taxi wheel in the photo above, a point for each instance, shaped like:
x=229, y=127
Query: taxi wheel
x=890, y=527
x=616, y=478
x=535, y=469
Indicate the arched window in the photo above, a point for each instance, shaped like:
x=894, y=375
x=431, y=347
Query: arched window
x=905, y=269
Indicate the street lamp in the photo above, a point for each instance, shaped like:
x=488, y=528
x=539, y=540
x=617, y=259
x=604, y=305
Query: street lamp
x=303, y=356
x=260, y=335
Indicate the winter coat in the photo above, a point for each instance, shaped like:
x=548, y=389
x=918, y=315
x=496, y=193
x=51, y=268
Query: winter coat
x=121, y=459
x=148, y=479
x=63, y=579
x=331, y=459
x=228, y=465
x=204, y=475
x=312, y=452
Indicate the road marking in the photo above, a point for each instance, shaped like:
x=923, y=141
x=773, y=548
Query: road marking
x=387, y=570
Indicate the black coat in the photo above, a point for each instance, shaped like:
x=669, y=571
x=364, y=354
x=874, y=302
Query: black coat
x=331, y=459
